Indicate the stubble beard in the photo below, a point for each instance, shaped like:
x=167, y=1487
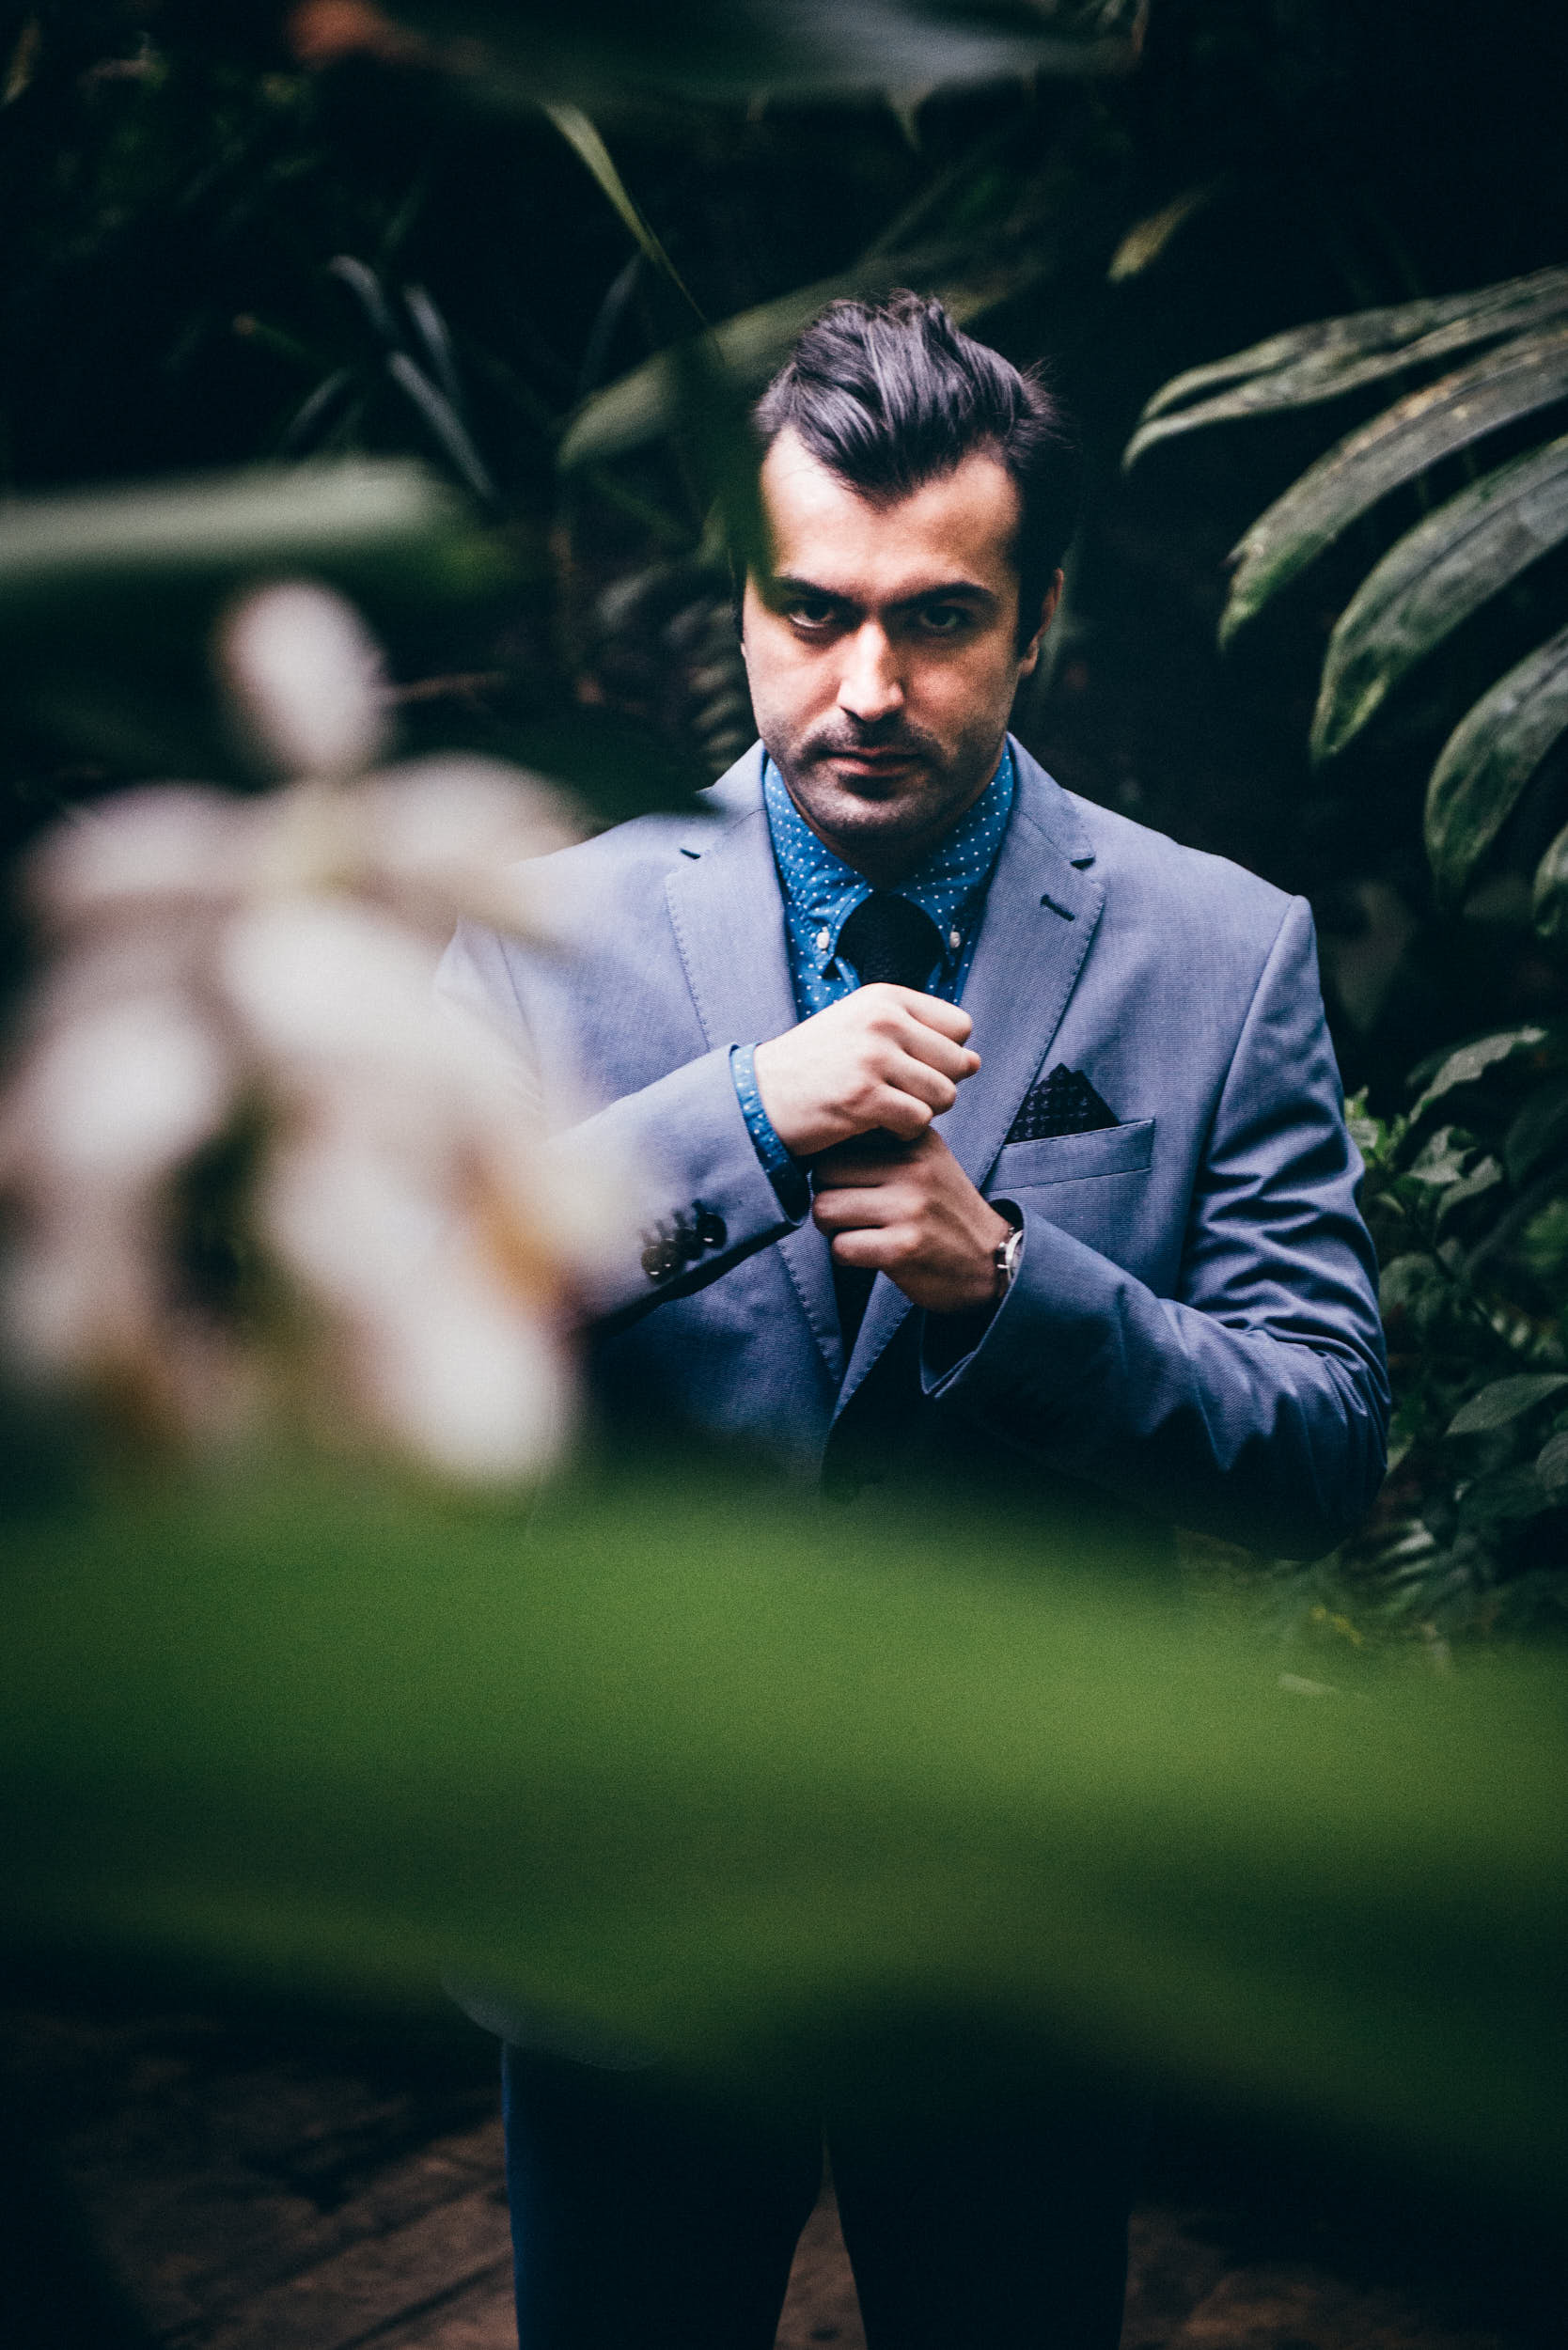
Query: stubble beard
x=889, y=826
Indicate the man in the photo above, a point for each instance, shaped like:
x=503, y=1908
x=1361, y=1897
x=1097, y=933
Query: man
x=987, y=1137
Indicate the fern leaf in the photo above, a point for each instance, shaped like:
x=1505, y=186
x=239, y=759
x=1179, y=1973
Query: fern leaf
x=1434, y=579
x=1488, y=760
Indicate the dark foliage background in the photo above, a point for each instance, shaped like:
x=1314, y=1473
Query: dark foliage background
x=177, y=187
x=263, y=232
x=257, y=232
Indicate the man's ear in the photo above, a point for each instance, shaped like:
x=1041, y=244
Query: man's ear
x=1047, y=614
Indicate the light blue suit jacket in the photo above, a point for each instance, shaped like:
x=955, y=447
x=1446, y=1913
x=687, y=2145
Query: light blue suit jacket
x=1192, y=1333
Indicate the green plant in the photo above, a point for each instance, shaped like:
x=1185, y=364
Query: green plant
x=1466, y=1193
x=1460, y=583
x=1467, y=1199
x=656, y=1766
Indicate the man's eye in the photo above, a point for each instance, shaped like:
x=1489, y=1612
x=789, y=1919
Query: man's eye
x=811, y=612
x=944, y=620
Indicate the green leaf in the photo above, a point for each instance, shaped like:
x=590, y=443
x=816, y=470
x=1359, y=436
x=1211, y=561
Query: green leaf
x=604, y=50
x=447, y=427
x=1503, y=1401
x=356, y=518
x=687, y=1769
x=1551, y=1465
x=747, y=349
x=1549, y=897
x=108, y=597
x=1488, y=760
x=1459, y=1195
x=1431, y=581
x=1543, y=1244
x=1469, y=1062
x=1505, y=1500
x=1376, y=1139
x=1418, y=432
x=1317, y=363
x=582, y=139
x=369, y=291
x=1441, y=1159
x=1148, y=237
x=1412, y=1288
x=1538, y=1133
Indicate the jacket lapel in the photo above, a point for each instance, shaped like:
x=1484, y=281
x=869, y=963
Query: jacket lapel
x=1040, y=912
x=728, y=916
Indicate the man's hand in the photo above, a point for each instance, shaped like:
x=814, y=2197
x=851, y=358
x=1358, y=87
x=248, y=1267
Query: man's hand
x=913, y=1214
x=884, y=1057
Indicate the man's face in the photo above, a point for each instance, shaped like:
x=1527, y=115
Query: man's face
x=882, y=647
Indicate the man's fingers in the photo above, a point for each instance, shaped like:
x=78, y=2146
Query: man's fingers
x=923, y=1083
x=843, y=1209
x=884, y=1057
x=874, y=1248
x=902, y=1114
x=922, y=1026
x=936, y=1044
x=931, y=1011
x=953, y=1061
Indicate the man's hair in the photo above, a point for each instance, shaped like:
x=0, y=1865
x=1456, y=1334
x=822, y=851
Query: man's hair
x=891, y=395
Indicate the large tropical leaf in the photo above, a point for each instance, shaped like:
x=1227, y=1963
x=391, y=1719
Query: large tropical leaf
x=1488, y=760
x=759, y=1789
x=1433, y=580
x=1427, y=427
x=1549, y=901
x=596, y=50
x=373, y=527
x=1320, y=361
x=1446, y=571
x=746, y=350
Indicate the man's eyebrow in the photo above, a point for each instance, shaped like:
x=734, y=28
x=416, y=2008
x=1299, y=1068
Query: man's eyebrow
x=780, y=584
x=786, y=584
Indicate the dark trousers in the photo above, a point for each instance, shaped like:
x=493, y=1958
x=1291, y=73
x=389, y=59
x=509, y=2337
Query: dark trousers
x=643, y=2218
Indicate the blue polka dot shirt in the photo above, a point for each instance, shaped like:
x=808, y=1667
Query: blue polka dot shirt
x=821, y=892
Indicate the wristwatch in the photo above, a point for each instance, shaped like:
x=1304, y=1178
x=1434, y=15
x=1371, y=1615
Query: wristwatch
x=1005, y=1256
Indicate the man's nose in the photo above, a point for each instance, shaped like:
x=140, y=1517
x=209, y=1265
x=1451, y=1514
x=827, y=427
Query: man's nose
x=869, y=686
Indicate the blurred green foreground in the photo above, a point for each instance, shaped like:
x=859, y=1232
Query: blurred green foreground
x=770, y=1791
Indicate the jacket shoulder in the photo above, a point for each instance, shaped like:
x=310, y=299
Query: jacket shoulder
x=630, y=862
x=1148, y=875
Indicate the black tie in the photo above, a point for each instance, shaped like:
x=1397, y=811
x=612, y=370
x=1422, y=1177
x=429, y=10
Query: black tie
x=885, y=938
x=889, y=938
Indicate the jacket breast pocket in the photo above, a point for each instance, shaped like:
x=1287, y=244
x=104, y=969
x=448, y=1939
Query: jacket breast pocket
x=1070, y=1158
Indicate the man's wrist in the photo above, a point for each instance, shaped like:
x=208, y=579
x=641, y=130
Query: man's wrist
x=1008, y=1253
x=783, y=1169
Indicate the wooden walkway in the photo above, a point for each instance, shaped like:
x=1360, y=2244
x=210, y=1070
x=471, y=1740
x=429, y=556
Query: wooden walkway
x=253, y=2192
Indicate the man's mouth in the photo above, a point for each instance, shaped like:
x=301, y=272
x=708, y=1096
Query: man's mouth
x=891, y=760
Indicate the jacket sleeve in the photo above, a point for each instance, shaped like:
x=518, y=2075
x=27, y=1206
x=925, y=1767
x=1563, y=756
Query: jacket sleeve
x=1254, y=1402
x=701, y=1199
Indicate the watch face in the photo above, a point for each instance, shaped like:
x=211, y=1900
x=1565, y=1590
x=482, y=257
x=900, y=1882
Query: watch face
x=1006, y=1258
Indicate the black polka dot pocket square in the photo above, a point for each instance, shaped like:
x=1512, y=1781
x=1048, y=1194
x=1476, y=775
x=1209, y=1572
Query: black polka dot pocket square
x=1062, y=1104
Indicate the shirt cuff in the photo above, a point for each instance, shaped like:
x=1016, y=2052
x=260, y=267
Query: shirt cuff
x=784, y=1172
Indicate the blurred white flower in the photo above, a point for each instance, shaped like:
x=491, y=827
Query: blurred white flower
x=122, y=1091
x=241, y=995
x=307, y=677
